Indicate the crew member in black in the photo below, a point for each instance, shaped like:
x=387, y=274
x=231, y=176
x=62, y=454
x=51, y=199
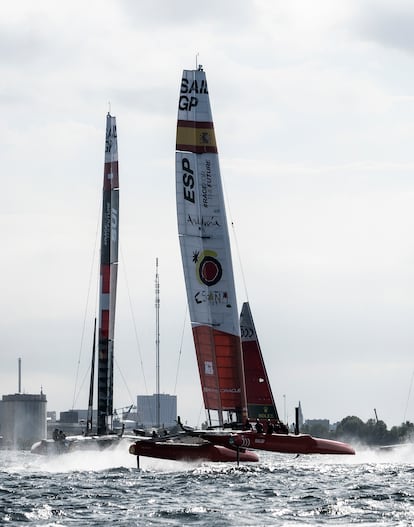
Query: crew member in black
x=258, y=426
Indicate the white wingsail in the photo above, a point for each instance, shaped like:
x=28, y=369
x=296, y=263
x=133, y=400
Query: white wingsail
x=205, y=250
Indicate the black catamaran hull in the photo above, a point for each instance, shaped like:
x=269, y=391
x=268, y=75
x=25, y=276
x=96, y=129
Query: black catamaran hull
x=78, y=444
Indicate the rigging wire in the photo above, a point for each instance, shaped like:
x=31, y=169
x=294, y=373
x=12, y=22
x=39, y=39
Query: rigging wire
x=133, y=320
x=408, y=397
x=76, y=391
x=76, y=395
x=123, y=378
x=85, y=376
x=236, y=243
x=199, y=414
x=240, y=260
x=180, y=351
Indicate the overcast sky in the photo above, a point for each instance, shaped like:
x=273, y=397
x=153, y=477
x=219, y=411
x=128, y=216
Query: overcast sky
x=313, y=104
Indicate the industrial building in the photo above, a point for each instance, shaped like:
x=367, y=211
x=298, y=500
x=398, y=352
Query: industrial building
x=22, y=419
x=148, y=407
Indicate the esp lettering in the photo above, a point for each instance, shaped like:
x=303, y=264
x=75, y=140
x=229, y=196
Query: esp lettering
x=188, y=180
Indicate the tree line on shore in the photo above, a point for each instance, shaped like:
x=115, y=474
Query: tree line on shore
x=373, y=432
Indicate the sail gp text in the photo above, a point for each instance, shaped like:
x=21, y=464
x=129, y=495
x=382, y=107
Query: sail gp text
x=212, y=297
x=189, y=89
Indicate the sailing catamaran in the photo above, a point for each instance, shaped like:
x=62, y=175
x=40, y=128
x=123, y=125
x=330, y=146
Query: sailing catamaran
x=262, y=408
x=104, y=435
x=205, y=250
x=233, y=378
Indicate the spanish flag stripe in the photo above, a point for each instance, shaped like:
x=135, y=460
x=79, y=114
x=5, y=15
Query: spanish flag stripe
x=196, y=149
x=198, y=137
x=194, y=124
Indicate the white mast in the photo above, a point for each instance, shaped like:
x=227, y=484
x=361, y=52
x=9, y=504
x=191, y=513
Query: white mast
x=20, y=375
x=157, y=340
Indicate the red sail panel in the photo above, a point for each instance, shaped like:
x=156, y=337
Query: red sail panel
x=220, y=373
x=260, y=402
x=111, y=175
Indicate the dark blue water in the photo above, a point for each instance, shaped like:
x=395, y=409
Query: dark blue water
x=105, y=489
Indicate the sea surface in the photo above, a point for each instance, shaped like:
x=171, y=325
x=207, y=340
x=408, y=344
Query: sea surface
x=105, y=488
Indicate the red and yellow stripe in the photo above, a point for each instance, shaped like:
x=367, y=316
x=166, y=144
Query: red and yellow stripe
x=197, y=137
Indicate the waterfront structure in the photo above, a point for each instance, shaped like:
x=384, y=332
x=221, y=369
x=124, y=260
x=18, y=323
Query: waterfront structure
x=147, y=406
x=23, y=419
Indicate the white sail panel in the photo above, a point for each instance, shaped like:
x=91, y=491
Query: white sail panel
x=194, y=102
x=204, y=241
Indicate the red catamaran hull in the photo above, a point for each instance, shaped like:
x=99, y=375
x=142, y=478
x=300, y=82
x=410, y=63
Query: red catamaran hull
x=190, y=452
x=283, y=443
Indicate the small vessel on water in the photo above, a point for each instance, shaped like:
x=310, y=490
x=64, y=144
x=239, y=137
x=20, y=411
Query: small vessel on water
x=104, y=435
x=233, y=377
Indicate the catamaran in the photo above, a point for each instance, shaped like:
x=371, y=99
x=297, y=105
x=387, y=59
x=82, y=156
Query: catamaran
x=233, y=378
x=104, y=435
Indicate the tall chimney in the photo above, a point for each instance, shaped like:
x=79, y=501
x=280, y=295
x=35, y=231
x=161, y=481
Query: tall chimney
x=20, y=375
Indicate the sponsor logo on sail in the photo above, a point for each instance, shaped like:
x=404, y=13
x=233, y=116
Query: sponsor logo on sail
x=208, y=269
x=114, y=224
x=206, y=389
x=111, y=136
x=208, y=367
x=212, y=297
x=189, y=90
x=246, y=332
x=203, y=221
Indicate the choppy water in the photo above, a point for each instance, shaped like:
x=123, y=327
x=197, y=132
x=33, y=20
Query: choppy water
x=106, y=489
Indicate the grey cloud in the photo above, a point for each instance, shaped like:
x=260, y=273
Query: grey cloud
x=389, y=24
x=20, y=47
x=232, y=14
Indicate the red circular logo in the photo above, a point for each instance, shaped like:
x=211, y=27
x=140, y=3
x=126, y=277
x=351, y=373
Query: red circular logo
x=210, y=271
